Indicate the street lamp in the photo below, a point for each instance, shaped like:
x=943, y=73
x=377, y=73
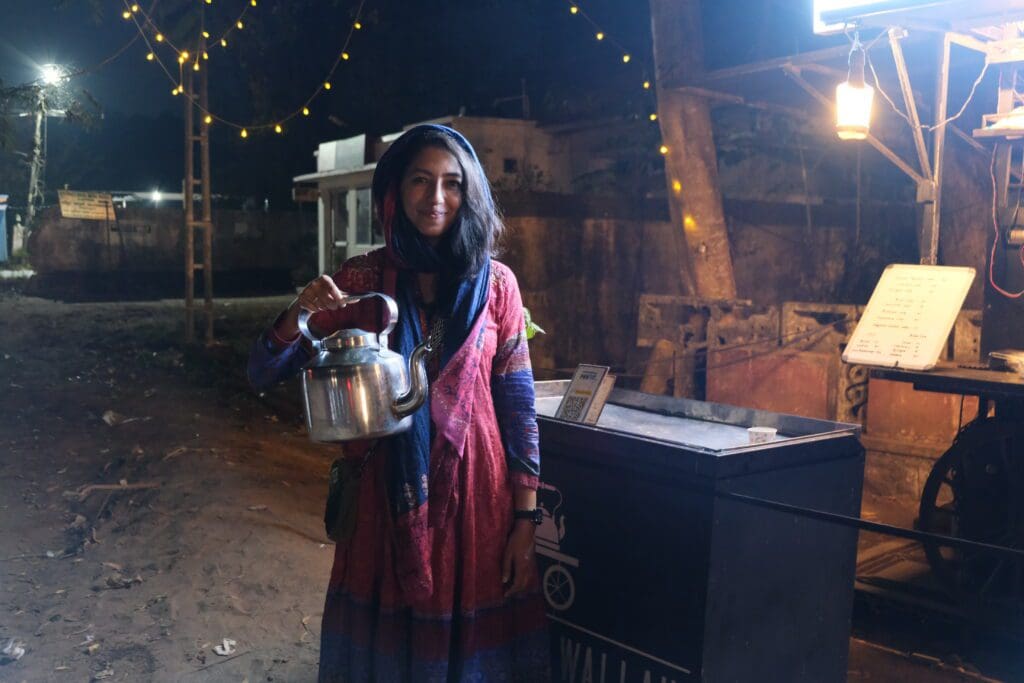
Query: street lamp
x=51, y=74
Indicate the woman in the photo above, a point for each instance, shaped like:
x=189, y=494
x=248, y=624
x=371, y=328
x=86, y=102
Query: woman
x=437, y=580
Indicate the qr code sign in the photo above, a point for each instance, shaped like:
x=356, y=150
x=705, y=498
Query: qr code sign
x=573, y=407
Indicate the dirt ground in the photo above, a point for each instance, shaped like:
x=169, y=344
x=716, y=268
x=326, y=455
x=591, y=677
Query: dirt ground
x=151, y=505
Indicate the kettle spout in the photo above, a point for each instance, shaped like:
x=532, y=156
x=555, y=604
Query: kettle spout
x=417, y=394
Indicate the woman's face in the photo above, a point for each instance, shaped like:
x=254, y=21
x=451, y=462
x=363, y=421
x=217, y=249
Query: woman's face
x=431, y=192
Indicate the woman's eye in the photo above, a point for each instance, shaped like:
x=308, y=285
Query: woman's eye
x=453, y=185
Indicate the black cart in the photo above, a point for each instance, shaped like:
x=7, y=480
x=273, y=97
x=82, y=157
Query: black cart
x=650, y=575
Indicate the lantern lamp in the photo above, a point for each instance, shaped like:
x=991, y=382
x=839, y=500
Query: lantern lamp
x=853, y=98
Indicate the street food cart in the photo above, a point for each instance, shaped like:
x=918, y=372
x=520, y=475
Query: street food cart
x=655, y=569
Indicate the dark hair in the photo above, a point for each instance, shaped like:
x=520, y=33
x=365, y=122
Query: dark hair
x=473, y=236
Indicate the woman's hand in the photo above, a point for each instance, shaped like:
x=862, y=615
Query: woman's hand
x=518, y=564
x=319, y=295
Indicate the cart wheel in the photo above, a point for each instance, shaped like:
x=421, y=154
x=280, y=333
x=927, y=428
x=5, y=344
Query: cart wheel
x=974, y=492
x=559, y=588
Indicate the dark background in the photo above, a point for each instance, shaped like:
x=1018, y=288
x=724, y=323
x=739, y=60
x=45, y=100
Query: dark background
x=412, y=61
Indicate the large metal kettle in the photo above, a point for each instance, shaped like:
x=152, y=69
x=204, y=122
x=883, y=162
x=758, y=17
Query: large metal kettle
x=355, y=388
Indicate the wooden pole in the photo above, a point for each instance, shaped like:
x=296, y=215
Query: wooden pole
x=204, y=151
x=190, y=245
x=691, y=164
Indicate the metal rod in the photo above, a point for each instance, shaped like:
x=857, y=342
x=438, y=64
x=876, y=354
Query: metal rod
x=877, y=527
x=939, y=151
x=813, y=57
x=908, y=100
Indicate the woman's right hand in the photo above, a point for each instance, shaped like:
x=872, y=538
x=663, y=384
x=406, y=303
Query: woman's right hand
x=319, y=295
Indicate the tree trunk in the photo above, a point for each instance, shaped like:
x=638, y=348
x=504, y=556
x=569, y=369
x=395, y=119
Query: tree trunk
x=691, y=164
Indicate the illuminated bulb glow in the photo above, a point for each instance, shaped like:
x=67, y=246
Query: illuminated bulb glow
x=244, y=133
x=853, y=110
x=135, y=8
x=625, y=59
x=278, y=128
x=150, y=57
x=327, y=85
x=344, y=55
x=600, y=35
x=663, y=149
x=184, y=54
x=195, y=67
x=654, y=117
x=647, y=85
x=357, y=26
x=305, y=111
x=208, y=119
x=126, y=14
x=574, y=10
x=677, y=186
x=206, y=34
x=159, y=37
x=206, y=55
x=239, y=24
x=223, y=43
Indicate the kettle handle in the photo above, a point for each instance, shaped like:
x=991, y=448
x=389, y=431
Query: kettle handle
x=389, y=303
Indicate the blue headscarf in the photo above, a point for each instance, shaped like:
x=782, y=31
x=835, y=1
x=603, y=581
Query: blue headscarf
x=461, y=297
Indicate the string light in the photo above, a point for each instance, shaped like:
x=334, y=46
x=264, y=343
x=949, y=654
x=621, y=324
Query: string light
x=135, y=8
x=206, y=55
x=147, y=26
x=663, y=149
x=126, y=15
x=647, y=85
x=600, y=35
x=573, y=9
x=654, y=117
x=625, y=59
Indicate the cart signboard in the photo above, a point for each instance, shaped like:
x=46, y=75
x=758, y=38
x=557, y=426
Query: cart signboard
x=93, y=206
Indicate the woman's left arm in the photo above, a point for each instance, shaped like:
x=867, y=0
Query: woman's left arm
x=514, y=405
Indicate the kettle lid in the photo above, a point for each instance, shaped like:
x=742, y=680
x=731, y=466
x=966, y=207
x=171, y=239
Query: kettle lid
x=351, y=339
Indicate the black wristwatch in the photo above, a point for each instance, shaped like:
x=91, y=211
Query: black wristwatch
x=536, y=515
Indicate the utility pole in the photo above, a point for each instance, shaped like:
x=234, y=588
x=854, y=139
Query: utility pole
x=38, y=161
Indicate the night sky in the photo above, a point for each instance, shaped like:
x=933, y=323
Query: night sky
x=411, y=61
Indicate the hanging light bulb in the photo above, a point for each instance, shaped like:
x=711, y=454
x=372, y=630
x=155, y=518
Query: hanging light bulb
x=223, y=42
x=357, y=26
x=244, y=133
x=207, y=119
x=206, y=34
x=252, y=2
x=663, y=149
x=206, y=55
x=574, y=9
x=327, y=85
x=653, y=116
x=150, y=57
x=625, y=59
x=600, y=35
x=195, y=66
x=184, y=54
x=126, y=14
x=345, y=55
x=159, y=37
x=647, y=85
x=239, y=24
x=853, y=98
x=278, y=128
x=305, y=111
x=135, y=8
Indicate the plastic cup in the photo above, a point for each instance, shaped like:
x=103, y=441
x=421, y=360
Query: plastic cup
x=761, y=434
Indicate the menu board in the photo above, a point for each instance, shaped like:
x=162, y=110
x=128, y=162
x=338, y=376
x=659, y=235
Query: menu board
x=909, y=316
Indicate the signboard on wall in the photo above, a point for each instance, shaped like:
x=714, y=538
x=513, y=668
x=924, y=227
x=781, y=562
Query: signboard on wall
x=833, y=16
x=93, y=206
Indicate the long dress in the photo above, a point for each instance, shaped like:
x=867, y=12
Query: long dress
x=463, y=629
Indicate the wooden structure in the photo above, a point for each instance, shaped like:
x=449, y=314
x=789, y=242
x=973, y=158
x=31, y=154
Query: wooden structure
x=197, y=134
